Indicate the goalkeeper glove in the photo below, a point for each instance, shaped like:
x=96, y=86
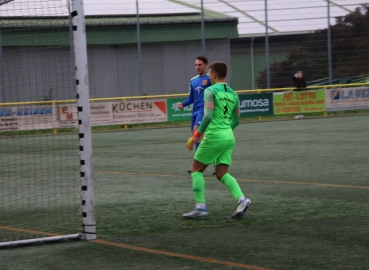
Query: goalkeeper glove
x=194, y=139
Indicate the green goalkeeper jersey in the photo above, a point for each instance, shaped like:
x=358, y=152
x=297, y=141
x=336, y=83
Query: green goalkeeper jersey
x=221, y=112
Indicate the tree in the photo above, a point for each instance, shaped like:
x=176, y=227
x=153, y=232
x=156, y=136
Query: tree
x=349, y=46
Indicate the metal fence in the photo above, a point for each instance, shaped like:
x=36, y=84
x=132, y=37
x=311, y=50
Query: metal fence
x=148, y=47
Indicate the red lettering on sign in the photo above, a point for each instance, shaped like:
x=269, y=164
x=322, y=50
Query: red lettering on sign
x=287, y=96
x=307, y=95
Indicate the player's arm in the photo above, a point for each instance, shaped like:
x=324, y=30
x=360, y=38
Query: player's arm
x=208, y=116
x=235, y=118
x=190, y=98
x=208, y=110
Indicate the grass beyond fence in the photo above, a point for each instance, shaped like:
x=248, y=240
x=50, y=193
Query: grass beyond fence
x=307, y=179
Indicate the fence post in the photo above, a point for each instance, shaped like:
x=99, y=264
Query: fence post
x=252, y=64
x=53, y=106
x=260, y=118
x=125, y=125
x=2, y=70
x=203, y=28
x=267, y=44
x=325, y=89
x=329, y=43
x=139, y=51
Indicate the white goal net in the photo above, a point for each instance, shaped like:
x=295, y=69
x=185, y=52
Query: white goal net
x=45, y=169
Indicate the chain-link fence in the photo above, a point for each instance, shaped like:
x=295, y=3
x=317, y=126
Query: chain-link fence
x=148, y=47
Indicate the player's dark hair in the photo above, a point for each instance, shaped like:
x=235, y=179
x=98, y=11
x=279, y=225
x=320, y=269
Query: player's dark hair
x=219, y=68
x=202, y=58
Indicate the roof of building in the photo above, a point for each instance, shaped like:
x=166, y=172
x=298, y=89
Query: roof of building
x=284, y=16
x=122, y=12
x=109, y=26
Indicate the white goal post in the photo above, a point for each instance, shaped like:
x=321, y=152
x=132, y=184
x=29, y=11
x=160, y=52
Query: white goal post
x=46, y=184
x=84, y=125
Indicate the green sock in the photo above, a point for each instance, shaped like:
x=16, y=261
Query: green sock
x=232, y=185
x=198, y=186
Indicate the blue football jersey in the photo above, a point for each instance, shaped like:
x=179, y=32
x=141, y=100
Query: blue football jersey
x=198, y=84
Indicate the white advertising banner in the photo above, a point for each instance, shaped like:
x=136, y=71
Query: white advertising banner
x=139, y=111
x=341, y=99
x=66, y=115
x=27, y=117
x=101, y=114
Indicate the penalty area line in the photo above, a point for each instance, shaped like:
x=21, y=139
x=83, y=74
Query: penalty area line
x=240, y=180
x=14, y=229
x=179, y=255
x=303, y=183
x=143, y=249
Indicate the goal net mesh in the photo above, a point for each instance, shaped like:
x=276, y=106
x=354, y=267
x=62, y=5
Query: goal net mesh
x=39, y=157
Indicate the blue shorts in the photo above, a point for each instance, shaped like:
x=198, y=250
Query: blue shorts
x=196, y=119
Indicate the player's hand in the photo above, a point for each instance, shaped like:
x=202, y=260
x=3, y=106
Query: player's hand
x=194, y=139
x=179, y=105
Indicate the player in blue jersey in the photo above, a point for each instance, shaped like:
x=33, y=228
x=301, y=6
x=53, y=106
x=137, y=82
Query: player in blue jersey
x=198, y=84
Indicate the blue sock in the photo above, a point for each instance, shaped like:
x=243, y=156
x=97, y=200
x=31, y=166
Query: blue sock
x=197, y=145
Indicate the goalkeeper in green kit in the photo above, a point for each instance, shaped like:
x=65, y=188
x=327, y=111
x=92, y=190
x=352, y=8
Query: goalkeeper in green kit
x=221, y=116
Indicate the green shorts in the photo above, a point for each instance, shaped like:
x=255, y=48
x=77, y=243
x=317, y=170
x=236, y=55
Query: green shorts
x=215, y=152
